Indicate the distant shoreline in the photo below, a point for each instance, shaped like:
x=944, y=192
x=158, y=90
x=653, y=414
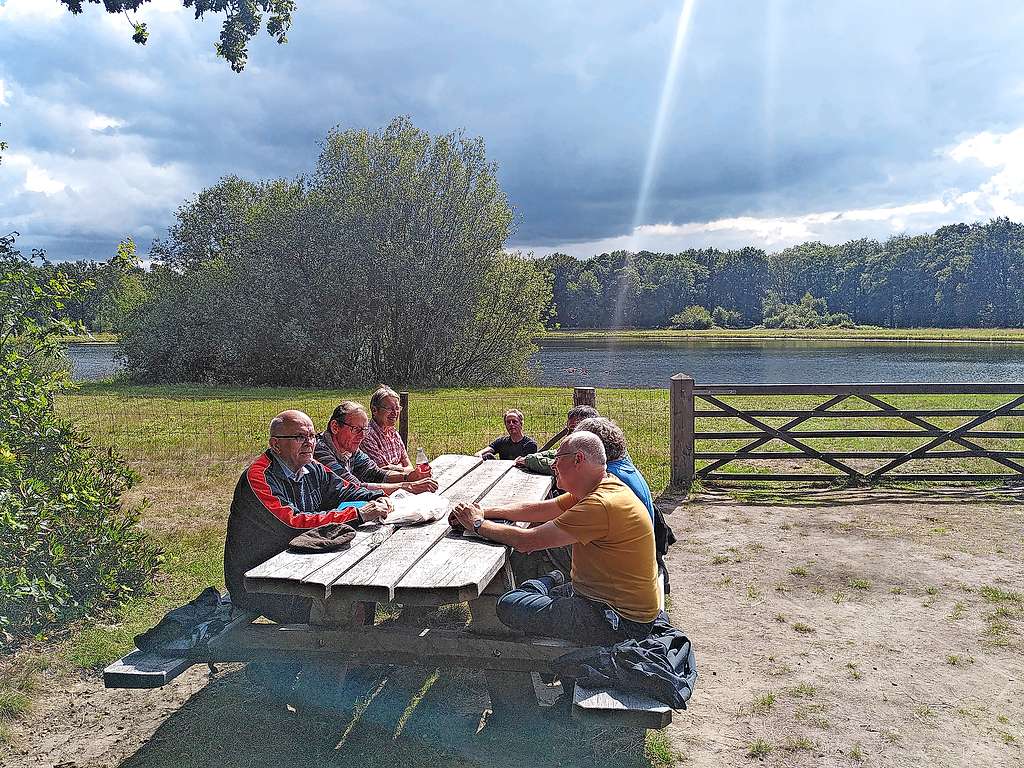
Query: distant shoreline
x=861, y=333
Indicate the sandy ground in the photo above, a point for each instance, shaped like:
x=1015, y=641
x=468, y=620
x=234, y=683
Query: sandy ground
x=841, y=628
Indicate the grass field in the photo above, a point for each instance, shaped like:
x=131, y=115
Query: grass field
x=190, y=444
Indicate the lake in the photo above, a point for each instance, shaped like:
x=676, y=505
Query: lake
x=633, y=363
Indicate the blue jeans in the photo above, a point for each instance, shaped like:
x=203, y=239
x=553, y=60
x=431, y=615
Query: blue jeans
x=544, y=606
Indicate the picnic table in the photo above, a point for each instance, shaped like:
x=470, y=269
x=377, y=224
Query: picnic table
x=426, y=565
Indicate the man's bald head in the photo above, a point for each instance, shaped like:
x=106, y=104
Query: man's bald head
x=288, y=418
x=292, y=438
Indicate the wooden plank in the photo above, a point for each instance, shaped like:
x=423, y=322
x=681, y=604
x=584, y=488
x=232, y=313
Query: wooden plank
x=475, y=484
x=375, y=576
x=961, y=388
x=144, y=670
x=455, y=570
x=851, y=413
x=517, y=485
x=613, y=707
x=449, y=468
x=310, y=574
x=837, y=478
x=323, y=579
x=981, y=453
x=395, y=645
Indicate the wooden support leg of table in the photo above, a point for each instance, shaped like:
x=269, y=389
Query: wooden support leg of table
x=509, y=691
x=318, y=685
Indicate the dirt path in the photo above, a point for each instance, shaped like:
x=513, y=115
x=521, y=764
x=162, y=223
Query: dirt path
x=874, y=628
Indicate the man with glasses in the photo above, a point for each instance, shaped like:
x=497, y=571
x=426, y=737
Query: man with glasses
x=338, y=448
x=382, y=442
x=282, y=493
x=613, y=591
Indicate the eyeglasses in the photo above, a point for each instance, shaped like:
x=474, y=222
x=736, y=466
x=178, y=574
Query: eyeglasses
x=389, y=409
x=566, y=453
x=303, y=438
x=357, y=430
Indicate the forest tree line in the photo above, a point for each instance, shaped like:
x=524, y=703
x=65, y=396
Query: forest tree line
x=961, y=276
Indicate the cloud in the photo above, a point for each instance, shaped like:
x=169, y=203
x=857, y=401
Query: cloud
x=782, y=113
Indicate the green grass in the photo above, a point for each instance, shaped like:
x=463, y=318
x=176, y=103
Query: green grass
x=759, y=748
x=763, y=704
x=658, y=750
x=193, y=560
x=158, y=425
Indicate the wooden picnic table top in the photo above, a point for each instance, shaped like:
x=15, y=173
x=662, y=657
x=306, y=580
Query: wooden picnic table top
x=425, y=564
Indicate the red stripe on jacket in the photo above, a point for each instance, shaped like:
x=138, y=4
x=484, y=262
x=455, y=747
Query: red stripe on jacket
x=256, y=475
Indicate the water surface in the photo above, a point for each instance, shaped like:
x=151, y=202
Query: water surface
x=633, y=363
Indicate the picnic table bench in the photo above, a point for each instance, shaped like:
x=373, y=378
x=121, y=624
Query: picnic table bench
x=421, y=565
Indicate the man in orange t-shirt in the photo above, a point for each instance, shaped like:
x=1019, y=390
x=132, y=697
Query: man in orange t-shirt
x=612, y=594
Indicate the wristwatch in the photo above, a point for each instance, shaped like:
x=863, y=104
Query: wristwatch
x=476, y=525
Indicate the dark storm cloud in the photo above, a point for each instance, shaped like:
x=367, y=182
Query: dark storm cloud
x=779, y=108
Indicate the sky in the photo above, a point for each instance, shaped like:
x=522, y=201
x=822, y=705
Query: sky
x=652, y=125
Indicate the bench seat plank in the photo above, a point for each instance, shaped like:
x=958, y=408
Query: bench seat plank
x=613, y=707
x=455, y=570
x=144, y=670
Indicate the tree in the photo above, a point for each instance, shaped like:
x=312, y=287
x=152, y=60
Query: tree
x=67, y=543
x=386, y=265
x=694, y=317
x=242, y=20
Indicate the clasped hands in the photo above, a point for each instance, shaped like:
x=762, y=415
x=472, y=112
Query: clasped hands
x=465, y=514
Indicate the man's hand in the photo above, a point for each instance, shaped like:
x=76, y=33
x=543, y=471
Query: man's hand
x=426, y=485
x=521, y=462
x=466, y=514
x=377, y=509
x=415, y=475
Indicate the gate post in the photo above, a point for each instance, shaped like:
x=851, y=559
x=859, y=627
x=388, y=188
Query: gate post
x=403, y=417
x=681, y=430
x=584, y=396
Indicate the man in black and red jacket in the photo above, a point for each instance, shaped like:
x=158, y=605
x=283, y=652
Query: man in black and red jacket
x=282, y=493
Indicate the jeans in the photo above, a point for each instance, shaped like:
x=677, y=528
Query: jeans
x=545, y=606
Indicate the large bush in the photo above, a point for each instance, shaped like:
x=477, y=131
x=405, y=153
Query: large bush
x=386, y=265
x=809, y=312
x=67, y=543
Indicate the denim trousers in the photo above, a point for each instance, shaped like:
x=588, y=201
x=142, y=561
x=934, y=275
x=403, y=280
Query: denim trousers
x=545, y=606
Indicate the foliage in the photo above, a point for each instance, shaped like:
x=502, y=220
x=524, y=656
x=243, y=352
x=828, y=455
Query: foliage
x=961, y=276
x=242, y=20
x=106, y=292
x=809, y=312
x=386, y=265
x=726, y=318
x=694, y=317
x=66, y=542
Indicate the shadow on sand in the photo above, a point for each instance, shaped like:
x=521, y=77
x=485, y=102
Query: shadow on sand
x=386, y=716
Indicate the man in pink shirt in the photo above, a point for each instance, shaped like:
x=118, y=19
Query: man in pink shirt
x=382, y=443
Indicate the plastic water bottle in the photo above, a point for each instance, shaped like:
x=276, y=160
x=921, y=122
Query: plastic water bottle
x=422, y=463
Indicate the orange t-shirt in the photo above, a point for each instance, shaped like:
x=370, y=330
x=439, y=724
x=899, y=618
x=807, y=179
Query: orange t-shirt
x=613, y=557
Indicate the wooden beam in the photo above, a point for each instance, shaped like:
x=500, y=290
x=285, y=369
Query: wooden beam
x=386, y=645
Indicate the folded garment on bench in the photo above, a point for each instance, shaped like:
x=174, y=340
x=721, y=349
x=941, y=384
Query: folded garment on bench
x=661, y=665
x=189, y=626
